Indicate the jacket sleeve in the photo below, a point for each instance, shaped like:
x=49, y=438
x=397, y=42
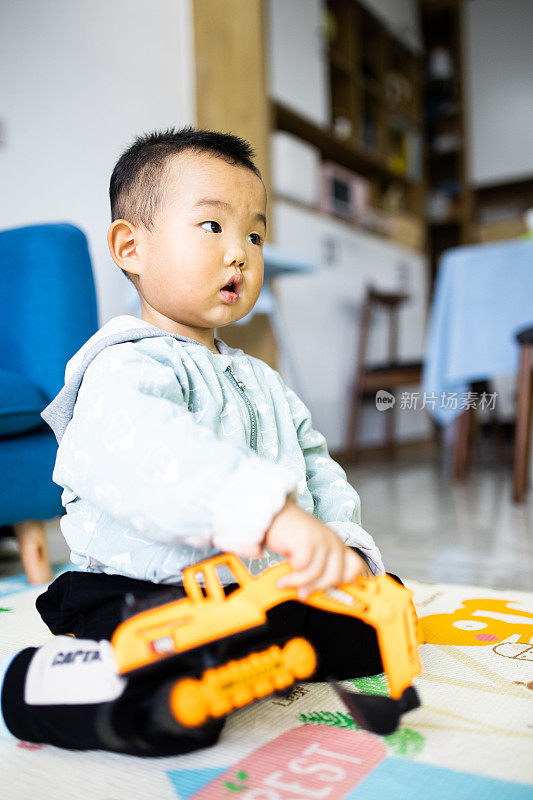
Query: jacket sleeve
x=336, y=503
x=135, y=450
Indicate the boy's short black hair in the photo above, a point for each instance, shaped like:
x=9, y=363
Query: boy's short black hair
x=137, y=186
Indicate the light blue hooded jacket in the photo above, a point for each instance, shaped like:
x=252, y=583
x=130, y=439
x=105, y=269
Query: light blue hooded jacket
x=169, y=453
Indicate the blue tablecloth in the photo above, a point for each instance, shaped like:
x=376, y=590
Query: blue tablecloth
x=483, y=297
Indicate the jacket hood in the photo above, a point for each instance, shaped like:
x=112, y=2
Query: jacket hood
x=118, y=330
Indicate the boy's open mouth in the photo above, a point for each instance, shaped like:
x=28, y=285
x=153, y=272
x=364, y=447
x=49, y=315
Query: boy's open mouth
x=230, y=292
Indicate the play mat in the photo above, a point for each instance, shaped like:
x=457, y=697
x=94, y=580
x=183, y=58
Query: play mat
x=472, y=737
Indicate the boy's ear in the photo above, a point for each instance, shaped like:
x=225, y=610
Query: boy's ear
x=122, y=240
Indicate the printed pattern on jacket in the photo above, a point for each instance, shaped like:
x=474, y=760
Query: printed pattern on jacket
x=157, y=468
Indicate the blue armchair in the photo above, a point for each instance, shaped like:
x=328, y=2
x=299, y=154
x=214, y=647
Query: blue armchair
x=48, y=312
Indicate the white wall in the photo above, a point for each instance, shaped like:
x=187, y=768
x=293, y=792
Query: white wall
x=498, y=61
x=321, y=315
x=78, y=80
x=298, y=76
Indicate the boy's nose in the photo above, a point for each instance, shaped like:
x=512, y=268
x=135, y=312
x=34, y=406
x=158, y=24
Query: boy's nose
x=236, y=256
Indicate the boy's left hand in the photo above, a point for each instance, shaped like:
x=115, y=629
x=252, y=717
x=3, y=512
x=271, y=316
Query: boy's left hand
x=308, y=579
x=318, y=557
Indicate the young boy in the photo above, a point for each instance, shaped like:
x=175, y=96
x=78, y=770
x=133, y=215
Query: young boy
x=174, y=446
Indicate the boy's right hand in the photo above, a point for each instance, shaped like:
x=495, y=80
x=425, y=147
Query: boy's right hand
x=319, y=559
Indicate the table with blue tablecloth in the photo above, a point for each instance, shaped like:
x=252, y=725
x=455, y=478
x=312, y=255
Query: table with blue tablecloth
x=483, y=297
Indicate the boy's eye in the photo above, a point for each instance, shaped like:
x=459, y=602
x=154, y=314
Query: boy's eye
x=257, y=240
x=212, y=222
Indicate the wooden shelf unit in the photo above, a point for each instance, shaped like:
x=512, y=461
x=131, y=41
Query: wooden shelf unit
x=374, y=80
x=376, y=104
x=499, y=210
x=347, y=152
x=445, y=132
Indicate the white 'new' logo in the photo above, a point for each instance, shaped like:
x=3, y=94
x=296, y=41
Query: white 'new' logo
x=384, y=400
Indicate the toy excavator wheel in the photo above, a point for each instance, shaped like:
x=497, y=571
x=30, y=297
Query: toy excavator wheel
x=300, y=658
x=188, y=704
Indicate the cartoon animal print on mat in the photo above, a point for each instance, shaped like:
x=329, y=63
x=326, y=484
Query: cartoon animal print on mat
x=491, y=683
x=517, y=651
x=479, y=622
x=514, y=649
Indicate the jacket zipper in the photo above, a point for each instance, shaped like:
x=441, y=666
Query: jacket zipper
x=253, y=422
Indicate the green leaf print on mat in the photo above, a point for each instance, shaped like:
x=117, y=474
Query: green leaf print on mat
x=373, y=684
x=403, y=742
x=241, y=776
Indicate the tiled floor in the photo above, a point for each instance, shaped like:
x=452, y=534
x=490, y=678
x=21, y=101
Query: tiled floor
x=430, y=529
x=427, y=528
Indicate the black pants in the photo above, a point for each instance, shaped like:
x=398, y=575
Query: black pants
x=92, y=605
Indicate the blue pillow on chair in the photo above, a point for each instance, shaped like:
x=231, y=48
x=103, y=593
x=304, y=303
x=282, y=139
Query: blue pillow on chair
x=48, y=312
x=21, y=403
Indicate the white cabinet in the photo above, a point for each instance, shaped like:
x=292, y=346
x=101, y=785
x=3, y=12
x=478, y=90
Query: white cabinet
x=298, y=75
x=321, y=315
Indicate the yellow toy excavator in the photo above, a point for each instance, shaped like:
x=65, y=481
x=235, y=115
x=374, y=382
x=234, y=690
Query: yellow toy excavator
x=175, y=637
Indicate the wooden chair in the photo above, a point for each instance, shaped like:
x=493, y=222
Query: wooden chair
x=465, y=434
x=523, y=415
x=368, y=380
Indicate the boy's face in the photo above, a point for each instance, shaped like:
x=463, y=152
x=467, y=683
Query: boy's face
x=208, y=233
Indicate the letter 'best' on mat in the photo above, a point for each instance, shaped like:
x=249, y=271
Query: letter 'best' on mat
x=472, y=736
